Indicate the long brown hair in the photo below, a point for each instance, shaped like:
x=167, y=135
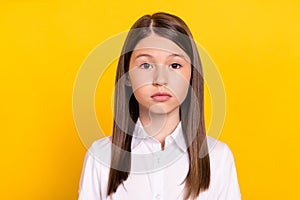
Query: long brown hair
x=126, y=114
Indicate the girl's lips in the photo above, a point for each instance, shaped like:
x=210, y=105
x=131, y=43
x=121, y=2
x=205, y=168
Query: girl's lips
x=161, y=96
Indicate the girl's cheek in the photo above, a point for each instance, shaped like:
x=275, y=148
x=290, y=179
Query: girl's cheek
x=179, y=85
x=139, y=77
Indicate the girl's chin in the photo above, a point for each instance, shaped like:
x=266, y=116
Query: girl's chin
x=162, y=109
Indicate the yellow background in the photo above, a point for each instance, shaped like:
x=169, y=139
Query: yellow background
x=255, y=44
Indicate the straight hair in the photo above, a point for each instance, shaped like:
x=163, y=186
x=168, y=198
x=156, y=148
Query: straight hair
x=126, y=114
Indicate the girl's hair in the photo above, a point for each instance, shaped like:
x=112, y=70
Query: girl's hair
x=126, y=114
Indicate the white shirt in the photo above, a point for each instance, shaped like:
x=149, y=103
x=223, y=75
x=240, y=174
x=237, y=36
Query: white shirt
x=157, y=174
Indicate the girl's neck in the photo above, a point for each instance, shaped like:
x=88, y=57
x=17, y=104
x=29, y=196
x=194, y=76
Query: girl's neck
x=159, y=125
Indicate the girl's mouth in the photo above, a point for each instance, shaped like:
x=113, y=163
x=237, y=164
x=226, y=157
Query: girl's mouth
x=161, y=96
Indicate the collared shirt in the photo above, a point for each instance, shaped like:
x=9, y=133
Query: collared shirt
x=157, y=174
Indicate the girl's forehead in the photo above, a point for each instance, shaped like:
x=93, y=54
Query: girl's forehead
x=158, y=44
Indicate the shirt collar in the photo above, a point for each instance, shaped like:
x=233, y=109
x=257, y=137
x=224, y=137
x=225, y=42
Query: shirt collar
x=140, y=135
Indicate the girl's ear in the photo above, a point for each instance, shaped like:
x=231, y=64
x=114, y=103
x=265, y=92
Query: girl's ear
x=127, y=80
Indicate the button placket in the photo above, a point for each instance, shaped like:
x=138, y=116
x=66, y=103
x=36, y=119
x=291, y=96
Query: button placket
x=158, y=177
x=158, y=185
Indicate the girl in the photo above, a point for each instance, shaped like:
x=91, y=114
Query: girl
x=159, y=148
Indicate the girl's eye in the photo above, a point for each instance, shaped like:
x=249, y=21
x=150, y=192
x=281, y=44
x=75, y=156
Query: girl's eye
x=146, y=66
x=175, y=66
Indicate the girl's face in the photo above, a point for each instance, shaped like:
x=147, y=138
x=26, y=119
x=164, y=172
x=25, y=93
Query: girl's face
x=159, y=73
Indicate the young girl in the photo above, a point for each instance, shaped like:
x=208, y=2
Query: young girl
x=159, y=148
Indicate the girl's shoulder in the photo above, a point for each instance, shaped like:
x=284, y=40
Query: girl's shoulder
x=101, y=143
x=216, y=146
x=219, y=152
x=100, y=150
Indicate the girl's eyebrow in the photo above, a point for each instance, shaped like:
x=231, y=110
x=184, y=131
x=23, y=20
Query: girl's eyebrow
x=143, y=54
x=179, y=55
x=172, y=55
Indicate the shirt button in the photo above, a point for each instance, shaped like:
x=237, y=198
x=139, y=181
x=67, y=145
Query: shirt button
x=157, y=159
x=157, y=196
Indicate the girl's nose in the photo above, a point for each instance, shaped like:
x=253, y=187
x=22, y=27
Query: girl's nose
x=160, y=75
